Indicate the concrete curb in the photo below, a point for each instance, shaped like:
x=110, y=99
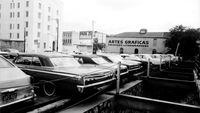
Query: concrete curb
x=49, y=107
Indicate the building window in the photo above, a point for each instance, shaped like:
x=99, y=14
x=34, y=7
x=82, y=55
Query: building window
x=48, y=27
x=10, y=26
x=57, y=12
x=10, y=14
x=26, y=33
x=39, y=25
x=10, y=5
x=17, y=35
x=40, y=5
x=49, y=18
x=154, y=42
x=38, y=34
x=18, y=14
x=27, y=13
x=10, y=35
x=44, y=45
x=39, y=15
x=49, y=9
x=18, y=26
x=18, y=5
x=27, y=3
x=26, y=24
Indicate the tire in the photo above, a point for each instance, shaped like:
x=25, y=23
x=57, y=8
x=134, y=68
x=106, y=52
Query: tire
x=49, y=88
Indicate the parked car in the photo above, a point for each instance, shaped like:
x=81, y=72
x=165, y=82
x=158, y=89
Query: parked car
x=135, y=68
x=12, y=53
x=15, y=85
x=4, y=54
x=61, y=71
x=97, y=60
x=155, y=60
x=134, y=57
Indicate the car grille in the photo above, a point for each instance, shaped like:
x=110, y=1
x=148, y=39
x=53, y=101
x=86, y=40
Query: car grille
x=94, y=78
x=123, y=70
x=134, y=66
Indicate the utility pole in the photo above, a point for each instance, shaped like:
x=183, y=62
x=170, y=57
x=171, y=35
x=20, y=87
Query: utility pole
x=57, y=21
x=24, y=39
x=92, y=36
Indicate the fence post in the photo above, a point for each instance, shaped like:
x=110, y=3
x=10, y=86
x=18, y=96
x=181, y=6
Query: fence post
x=160, y=63
x=118, y=78
x=148, y=67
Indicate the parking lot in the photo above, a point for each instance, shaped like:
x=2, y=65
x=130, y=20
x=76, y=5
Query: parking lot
x=93, y=83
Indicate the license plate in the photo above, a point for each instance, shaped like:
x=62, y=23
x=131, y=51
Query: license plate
x=9, y=96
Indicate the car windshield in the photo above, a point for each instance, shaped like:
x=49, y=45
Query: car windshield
x=64, y=61
x=5, y=64
x=99, y=60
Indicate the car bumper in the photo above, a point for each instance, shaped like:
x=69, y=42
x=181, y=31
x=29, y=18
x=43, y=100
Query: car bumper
x=18, y=101
x=81, y=88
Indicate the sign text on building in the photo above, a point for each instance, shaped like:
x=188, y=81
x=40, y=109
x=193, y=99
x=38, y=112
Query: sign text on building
x=132, y=43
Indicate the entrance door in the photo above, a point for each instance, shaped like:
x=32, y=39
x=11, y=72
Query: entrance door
x=121, y=51
x=136, y=51
x=54, y=46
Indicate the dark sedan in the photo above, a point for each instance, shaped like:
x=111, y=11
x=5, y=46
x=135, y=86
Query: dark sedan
x=63, y=72
x=97, y=60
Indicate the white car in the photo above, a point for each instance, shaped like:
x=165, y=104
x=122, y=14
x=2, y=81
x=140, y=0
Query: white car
x=15, y=85
x=132, y=57
x=155, y=59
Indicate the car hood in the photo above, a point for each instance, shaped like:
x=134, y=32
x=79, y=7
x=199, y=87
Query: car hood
x=13, y=78
x=81, y=70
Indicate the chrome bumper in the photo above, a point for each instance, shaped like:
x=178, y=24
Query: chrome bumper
x=96, y=84
x=17, y=101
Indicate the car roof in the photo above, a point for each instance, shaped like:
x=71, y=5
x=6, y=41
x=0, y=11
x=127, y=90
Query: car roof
x=45, y=54
x=83, y=55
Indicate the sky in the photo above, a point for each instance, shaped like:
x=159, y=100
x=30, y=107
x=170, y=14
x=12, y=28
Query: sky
x=117, y=16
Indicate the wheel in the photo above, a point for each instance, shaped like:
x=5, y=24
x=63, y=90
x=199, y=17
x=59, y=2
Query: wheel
x=49, y=88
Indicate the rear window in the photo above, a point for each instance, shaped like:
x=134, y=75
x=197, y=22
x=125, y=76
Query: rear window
x=4, y=63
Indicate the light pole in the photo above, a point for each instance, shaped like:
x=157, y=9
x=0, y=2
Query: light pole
x=92, y=36
x=57, y=21
x=57, y=30
x=24, y=39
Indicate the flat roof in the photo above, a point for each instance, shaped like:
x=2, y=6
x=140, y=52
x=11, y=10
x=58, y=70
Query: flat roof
x=142, y=35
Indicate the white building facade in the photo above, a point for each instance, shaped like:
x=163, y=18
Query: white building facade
x=82, y=40
x=142, y=42
x=35, y=22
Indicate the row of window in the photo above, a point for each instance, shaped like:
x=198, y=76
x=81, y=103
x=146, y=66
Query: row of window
x=66, y=34
x=12, y=35
x=12, y=26
x=12, y=14
x=67, y=41
x=12, y=5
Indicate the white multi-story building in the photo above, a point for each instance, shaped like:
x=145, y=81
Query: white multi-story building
x=35, y=22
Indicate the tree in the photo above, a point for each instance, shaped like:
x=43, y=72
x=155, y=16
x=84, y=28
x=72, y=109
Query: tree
x=186, y=38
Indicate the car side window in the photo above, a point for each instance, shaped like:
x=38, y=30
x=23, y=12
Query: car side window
x=23, y=60
x=36, y=61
